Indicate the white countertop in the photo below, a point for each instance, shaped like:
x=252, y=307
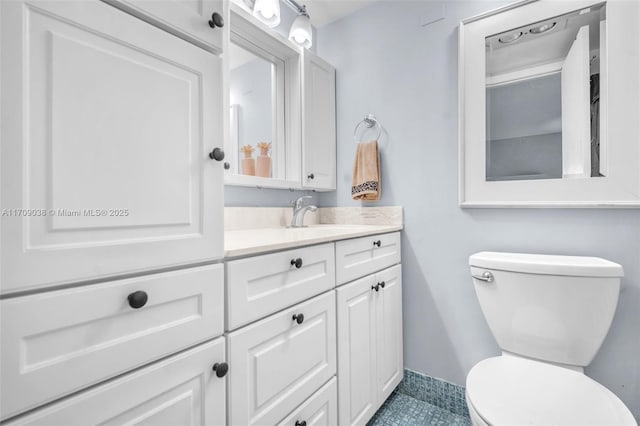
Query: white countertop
x=244, y=242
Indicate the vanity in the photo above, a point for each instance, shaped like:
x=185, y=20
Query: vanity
x=311, y=322
x=294, y=325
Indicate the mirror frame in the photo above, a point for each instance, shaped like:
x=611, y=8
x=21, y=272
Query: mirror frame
x=246, y=32
x=620, y=107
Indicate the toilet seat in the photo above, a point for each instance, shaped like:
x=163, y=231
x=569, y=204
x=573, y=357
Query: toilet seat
x=509, y=390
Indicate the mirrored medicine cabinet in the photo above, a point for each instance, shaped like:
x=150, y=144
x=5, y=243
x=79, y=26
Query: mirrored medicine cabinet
x=549, y=105
x=266, y=143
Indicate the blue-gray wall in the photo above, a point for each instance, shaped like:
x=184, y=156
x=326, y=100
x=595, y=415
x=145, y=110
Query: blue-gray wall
x=406, y=74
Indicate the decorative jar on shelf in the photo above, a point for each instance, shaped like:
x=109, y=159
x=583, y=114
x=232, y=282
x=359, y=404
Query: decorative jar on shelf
x=263, y=162
x=248, y=163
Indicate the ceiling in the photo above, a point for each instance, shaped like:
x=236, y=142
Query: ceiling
x=323, y=12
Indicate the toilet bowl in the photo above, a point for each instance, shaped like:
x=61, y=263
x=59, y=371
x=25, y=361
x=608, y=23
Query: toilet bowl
x=507, y=390
x=549, y=314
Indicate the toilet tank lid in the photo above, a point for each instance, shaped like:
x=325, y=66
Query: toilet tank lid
x=579, y=266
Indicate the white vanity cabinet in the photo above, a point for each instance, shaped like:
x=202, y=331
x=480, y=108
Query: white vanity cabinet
x=107, y=127
x=370, y=363
x=180, y=390
x=186, y=18
x=318, y=123
x=112, y=308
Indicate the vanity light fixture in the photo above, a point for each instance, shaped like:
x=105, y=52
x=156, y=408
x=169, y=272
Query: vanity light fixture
x=268, y=12
x=301, y=32
x=511, y=37
x=542, y=28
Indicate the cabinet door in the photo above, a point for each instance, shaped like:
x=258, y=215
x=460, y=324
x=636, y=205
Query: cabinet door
x=357, y=384
x=107, y=123
x=185, y=18
x=389, y=331
x=277, y=363
x=318, y=123
x=181, y=390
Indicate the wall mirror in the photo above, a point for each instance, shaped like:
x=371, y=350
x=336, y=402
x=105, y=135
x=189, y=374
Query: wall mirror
x=262, y=144
x=547, y=100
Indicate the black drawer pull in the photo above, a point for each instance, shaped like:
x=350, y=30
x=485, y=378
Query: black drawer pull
x=375, y=287
x=377, y=243
x=217, y=154
x=216, y=20
x=138, y=299
x=221, y=368
x=297, y=263
x=382, y=284
x=301, y=423
x=299, y=318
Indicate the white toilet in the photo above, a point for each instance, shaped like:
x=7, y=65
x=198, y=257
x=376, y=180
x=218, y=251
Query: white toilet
x=549, y=314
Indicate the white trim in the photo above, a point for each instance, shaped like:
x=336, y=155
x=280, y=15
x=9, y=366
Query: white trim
x=526, y=74
x=620, y=187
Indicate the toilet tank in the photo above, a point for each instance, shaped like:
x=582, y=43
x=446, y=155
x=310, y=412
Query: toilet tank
x=552, y=308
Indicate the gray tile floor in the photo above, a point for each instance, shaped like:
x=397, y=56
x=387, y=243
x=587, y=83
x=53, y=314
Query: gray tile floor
x=403, y=410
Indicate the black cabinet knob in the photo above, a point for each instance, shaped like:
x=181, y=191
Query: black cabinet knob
x=301, y=423
x=216, y=20
x=310, y=176
x=375, y=287
x=382, y=284
x=217, y=154
x=137, y=299
x=299, y=318
x=221, y=368
x=377, y=243
x=297, y=263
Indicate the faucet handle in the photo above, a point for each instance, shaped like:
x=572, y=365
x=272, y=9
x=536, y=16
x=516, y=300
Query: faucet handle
x=300, y=201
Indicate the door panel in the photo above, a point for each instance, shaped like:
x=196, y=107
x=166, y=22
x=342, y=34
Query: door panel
x=107, y=125
x=357, y=384
x=389, y=329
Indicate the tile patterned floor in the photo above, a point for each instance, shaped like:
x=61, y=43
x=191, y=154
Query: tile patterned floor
x=403, y=410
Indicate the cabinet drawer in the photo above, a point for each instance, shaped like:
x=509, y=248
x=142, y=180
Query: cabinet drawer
x=362, y=256
x=319, y=410
x=62, y=341
x=261, y=285
x=181, y=390
x=277, y=363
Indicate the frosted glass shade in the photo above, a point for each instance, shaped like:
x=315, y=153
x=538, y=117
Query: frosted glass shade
x=267, y=11
x=301, y=32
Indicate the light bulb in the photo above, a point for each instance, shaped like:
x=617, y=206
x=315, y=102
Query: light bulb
x=267, y=11
x=299, y=38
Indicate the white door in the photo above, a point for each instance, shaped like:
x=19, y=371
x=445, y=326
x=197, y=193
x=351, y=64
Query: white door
x=107, y=126
x=180, y=390
x=357, y=383
x=576, y=111
x=280, y=361
x=187, y=18
x=389, y=331
x=318, y=123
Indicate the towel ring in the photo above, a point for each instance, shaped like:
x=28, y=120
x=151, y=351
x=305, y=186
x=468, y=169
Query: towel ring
x=368, y=121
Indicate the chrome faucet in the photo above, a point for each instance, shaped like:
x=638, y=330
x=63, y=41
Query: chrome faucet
x=299, y=209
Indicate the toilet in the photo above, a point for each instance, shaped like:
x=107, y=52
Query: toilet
x=549, y=315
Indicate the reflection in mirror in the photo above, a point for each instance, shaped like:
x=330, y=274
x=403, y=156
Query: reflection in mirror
x=543, y=90
x=251, y=94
